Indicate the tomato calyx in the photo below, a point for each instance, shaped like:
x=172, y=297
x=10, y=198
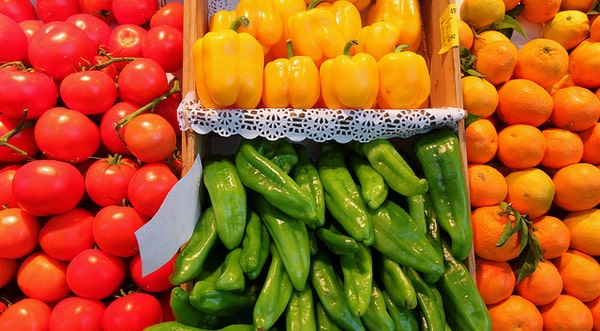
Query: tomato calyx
x=111, y=60
x=22, y=125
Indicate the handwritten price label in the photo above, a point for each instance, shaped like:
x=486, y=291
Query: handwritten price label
x=449, y=28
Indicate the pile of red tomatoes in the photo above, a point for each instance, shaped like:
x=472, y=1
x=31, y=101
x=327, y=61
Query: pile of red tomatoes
x=89, y=148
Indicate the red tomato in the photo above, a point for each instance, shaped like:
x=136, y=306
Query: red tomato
x=18, y=233
x=106, y=180
x=56, y=10
x=21, y=140
x=66, y=135
x=31, y=90
x=96, y=29
x=60, y=48
x=99, y=8
x=136, y=12
x=18, y=10
x=47, y=187
x=169, y=14
x=30, y=27
x=64, y=235
x=12, y=35
x=89, y=92
x=126, y=41
x=150, y=137
x=149, y=186
x=7, y=198
x=132, y=312
x=95, y=274
x=164, y=44
x=43, y=277
x=114, y=230
x=108, y=133
x=157, y=281
x=27, y=314
x=168, y=109
x=165, y=301
x=8, y=271
x=142, y=70
x=77, y=314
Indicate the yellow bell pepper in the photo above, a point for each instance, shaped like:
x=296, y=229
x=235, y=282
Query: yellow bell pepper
x=291, y=82
x=405, y=13
x=286, y=9
x=265, y=22
x=378, y=39
x=228, y=68
x=316, y=34
x=349, y=81
x=404, y=81
x=359, y=4
x=347, y=17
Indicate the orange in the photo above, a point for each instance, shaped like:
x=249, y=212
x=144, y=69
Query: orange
x=552, y=234
x=488, y=224
x=575, y=108
x=481, y=140
x=487, y=186
x=568, y=28
x=495, y=280
x=577, y=187
x=563, y=147
x=542, y=60
x=486, y=37
x=511, y=4
x=580, y=273
x=584, y=64
x=515, y=314
x=565, y=81
x=480, y=97
x=595, y=29
x=496, y=61
x=543, y=285
x=566, y=313
x=521, y=146
x=594, y=307
x=465, y=34
x=539, y=11
x=523, y=101
x=591, y=144
x=585, y=230
x=583, y=5
x=481, y=13
x=530, y=191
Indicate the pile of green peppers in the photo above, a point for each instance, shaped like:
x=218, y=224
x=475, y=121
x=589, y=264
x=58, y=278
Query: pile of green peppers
x=360, y=236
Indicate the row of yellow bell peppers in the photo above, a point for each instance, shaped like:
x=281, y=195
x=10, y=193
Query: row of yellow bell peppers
x=323, y=56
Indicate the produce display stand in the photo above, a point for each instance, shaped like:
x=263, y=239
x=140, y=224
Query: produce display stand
x=444, y=70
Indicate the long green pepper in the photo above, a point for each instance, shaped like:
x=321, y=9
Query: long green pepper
x=357, y=272
x=377, y=316
x=404, y=319
x=306, y=175
x=430, y=305
x=373, y=188
x=440, y=157
x=300, y=314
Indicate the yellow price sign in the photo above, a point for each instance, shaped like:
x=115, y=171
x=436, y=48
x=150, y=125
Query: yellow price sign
x=449, y=28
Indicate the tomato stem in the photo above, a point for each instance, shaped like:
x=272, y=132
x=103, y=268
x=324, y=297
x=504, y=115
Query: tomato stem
x=22, y=125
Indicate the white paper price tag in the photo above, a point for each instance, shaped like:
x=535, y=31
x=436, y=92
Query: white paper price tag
x=174, y=222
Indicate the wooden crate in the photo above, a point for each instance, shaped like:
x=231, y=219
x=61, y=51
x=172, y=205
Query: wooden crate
x=444, y=71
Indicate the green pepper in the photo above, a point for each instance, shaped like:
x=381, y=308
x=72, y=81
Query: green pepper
x=176, y=326
x=466, y=309
x=324, y=321
x=396, y=171
x=338, y=243
x=430, y=305
x=439, y=154
x=416, y=210
x=228, y=197
x=397, y=284
x=260, y=174
x=274, y=295
x=357, y=272
x=305, y=173
x=331, y=294
x=404, y=319
x=342, y=196
x=182, y=309
x=232, y=276
x=190, y=260
x=251, y=243
x=300, y=314
x=280, y=151
x=377, y=316
x=290, y=236
x=373, y=188
x=399, y=238
x=433, y=231
x=205, y=298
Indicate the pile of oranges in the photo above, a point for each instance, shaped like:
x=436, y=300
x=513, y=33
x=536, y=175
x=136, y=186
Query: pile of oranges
x=535, y=144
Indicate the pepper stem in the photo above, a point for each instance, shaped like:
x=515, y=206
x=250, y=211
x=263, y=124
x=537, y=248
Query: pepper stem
x=290, y=49
x=239, y=21
x=401, y=47
x=313, y=4
x=349, y=46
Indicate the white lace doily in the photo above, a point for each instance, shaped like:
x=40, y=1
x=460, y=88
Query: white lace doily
x=317, y=124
